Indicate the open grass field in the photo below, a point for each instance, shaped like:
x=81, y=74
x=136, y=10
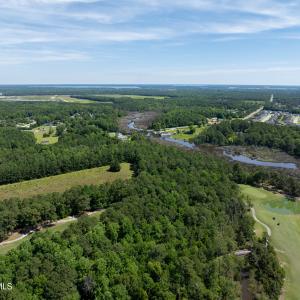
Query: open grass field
x=47, y=140
x=37, y=98
x=60, y=227
x=182, y=133
x=135, y=97
x=285, y=237
x=62, y=182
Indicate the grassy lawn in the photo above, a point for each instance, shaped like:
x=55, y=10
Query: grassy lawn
x=285, y=237
x=182, y=132
x=62, y=182
x=259, y=230
x=5, y=248
x=184, y=135
x=45, y=140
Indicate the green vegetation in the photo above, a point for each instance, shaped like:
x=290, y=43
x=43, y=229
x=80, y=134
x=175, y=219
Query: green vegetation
x=187, y=228
x=184, y=132
x=63, y=182
x=169, y=232
x=13, y=113
x=187, y=133
x=259, y=230
x=136, y=97
x=30, y=213
x=4, y=249
x=181, y=107
x=115, y=166
x=273, y=209
x=59, y=227
x=83, y=141
x=275, y=179
x=238, y=132
x=45, y=135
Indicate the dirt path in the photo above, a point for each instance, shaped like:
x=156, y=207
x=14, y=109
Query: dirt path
x=15, y=240
x=62, y=221
x=65, y=220
x=269, y=232
x=253, y=113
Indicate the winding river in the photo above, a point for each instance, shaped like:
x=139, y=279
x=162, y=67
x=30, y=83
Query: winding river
x=132, y=126
x=247, y=160
x=239, y=158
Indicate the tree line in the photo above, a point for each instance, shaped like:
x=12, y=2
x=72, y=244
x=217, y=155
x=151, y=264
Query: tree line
x=169, y=234
x=277, y=180
x=83, y=143
x=240, y=132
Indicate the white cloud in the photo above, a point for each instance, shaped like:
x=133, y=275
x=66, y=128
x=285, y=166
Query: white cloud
x=15, y=3
x=13, y=57
x=88, y=22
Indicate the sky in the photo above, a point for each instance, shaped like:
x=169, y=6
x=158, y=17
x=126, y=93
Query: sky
x=150, y=41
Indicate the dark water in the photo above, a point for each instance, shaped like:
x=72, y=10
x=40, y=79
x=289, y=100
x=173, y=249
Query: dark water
x=248, y=160
x=179, y=142
x=131, y=125
x=239, y=158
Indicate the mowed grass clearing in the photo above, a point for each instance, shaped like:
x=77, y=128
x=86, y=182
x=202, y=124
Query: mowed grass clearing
x=185, y=135
x=39, y=133
x=285, y=237
x=63, y=182
x=183, y=132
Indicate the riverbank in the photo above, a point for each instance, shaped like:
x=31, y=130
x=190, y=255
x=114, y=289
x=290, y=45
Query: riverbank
x=252, y=155
x=142, y=120
x=263, y=154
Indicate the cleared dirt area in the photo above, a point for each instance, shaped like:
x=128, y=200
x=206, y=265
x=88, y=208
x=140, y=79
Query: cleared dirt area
x=63, y=182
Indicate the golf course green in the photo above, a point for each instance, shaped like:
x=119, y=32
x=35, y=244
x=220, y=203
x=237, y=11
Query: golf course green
x=282, y=216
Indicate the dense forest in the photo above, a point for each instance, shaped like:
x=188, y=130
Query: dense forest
x=83, y=141
x=12, y=113
x=171, y=234
x=239, y=132
x=183, y=107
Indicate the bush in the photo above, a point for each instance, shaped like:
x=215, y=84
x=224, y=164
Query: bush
x=115, y=166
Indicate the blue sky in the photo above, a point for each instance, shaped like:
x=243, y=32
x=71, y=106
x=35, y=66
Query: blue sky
x=150, y=41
